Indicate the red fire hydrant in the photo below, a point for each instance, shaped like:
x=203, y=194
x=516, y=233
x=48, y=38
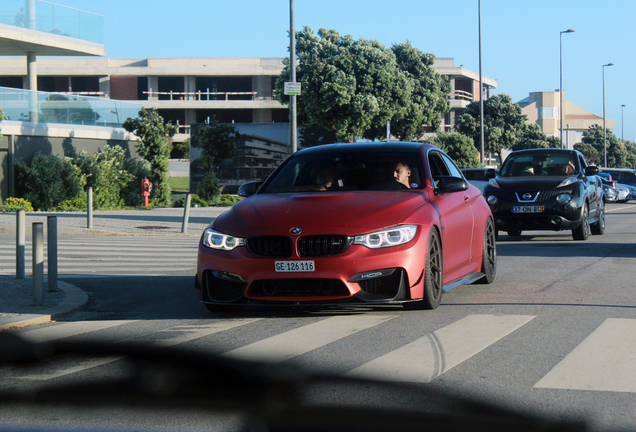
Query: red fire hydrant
x=146, y=187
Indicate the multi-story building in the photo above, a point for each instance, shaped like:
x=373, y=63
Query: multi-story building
x=186, y=91
x=542, y=108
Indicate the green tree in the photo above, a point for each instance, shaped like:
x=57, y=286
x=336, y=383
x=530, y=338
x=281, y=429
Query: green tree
x=154, y=146
x=217, y=142
x=616, y=151
x=503, y=123
x=531, y=137
x=354, y=87
x=49, y=180
x=631, y=154
x=105, y=172
x=459, y=147
x=592, y=155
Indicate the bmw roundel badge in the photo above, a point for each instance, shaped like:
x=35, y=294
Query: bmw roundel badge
x=296, y=231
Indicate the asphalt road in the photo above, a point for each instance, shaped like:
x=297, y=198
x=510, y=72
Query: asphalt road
x=554, y=334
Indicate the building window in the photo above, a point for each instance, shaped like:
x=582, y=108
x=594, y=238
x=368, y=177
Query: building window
x=549, y=112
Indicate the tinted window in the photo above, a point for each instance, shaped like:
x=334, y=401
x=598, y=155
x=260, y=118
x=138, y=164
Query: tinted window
x=539, y=164
x=346, y=171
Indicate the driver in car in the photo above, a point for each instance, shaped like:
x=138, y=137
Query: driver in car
x=401, y=173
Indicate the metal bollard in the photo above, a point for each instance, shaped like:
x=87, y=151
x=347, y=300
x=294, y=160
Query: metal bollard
x=38, y=261
x=51, y=254
x=89, y=208
x=20, y=244
x=186, y=214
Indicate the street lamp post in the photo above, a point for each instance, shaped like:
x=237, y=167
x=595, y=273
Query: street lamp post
x=481, y=96
x=622, y=123
x=604, y=131
x=561, y=82
x=293, y=125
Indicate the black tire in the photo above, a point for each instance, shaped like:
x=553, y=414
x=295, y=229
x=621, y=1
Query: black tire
x=582, y=232
x=598, y=228
x=514, y=233
x=489, y=255
x=433, y=276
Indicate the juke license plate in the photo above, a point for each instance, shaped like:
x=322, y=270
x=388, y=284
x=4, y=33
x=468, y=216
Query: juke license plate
x=295, y=266
x=527, y=209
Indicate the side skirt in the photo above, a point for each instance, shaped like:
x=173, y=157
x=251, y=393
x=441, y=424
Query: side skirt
x=464, y=280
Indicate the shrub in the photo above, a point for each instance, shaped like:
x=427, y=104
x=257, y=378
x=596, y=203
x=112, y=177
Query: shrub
x=194, y=200
x=75, y=204
x=13, y=204
x=105, y=173
x=226, y=200
x=49, y=180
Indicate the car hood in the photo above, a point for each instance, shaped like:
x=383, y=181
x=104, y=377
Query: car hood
x=368, y=210
x=528, y=183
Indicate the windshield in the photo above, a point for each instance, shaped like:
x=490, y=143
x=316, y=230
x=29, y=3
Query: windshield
x=347, y=171
x=539, y=164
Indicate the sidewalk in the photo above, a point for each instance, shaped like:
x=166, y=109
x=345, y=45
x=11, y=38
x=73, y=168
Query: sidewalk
x=16, y=295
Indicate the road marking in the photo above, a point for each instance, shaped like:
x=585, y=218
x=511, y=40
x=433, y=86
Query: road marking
x=61, y=331
x=604, y=361
x=307, y=338
x=430, y=356
x=181, y=334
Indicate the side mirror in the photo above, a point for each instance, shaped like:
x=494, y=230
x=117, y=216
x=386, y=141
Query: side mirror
x=591, y=171
x=249, y=189
x=490, y=173
x=447, y=184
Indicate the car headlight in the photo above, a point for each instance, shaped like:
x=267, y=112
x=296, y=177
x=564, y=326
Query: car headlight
x=220, y=241
x=568, y=181
x=493, y=183
x=564, y=198
x=492, y=199
x=387, y=237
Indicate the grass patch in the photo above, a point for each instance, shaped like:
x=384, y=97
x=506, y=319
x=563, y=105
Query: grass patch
x=179, y=184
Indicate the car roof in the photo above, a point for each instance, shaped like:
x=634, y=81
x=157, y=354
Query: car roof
x=354, y=147
x=551, y=150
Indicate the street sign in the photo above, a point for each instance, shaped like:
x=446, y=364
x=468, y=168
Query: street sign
x=292, y=88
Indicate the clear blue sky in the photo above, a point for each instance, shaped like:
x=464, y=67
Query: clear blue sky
x=520, y=39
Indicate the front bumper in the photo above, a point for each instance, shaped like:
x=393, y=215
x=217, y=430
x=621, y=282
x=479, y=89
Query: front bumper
x=554, y=217
x=357, y=276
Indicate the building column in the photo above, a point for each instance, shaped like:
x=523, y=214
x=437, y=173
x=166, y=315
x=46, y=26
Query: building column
x=32, y=78
x=190, y=86
x=153, y=85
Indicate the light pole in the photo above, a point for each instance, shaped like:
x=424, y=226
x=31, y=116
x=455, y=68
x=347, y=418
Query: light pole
x=293, y=126
x=561, y=82
x=622, y=123
x=481, y=96
x=604, y=132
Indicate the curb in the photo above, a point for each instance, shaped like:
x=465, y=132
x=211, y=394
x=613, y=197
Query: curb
x=74, y=300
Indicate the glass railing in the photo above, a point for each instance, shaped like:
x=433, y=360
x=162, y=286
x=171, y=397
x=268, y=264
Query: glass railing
x=53, y=18
x=44, y=107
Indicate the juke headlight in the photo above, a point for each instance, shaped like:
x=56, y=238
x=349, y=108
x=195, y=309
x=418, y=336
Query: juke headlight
x=387, y=237
x=221, y=241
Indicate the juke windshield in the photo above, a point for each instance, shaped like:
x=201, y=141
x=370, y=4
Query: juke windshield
x=348, y=171
x=539, y=164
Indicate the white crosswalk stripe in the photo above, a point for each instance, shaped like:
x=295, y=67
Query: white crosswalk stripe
x=105, y=255
x=167, y=337
x=302, y=340
x=604, y=361
x=432, y=355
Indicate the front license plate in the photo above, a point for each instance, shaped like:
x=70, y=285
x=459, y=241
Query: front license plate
x=527, y=209
x=295, y=266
